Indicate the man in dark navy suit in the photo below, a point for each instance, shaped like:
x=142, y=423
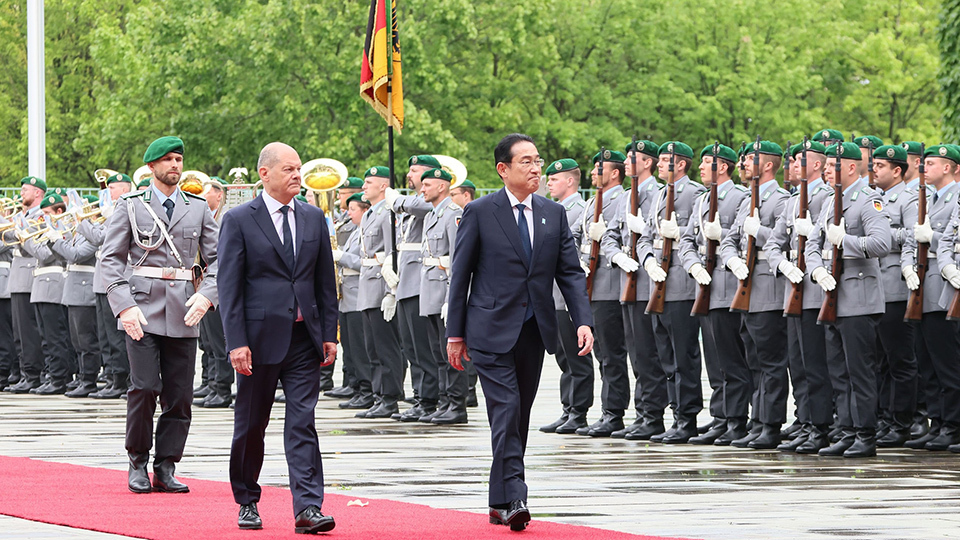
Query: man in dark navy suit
x=279, y=315
x=510, y=248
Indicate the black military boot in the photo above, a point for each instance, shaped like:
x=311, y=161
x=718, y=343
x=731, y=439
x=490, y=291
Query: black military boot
x=898, y=431
x=920, y=426
x=610, y=421
x=456, y=413
x=865, y=444
x=949, y=435
x=718, y=428
x=847, y=437
x=686, y=428
x=736, y=429
x=798, y=439
x=552, y=426
x=138, y=481
x=744, y=441
x=769, y=438
x=163, y=479
x=931, y=434
x=622, y=433
x=652, y=427
x=574, y=423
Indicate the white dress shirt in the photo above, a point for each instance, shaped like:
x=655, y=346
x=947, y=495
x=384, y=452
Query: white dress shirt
x=527, y=211
x=273, y=208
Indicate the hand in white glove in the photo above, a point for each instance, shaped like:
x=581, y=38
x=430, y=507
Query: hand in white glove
x=836, y=233
x=911, y=277
x=923, y=232
x=596, y=229
x=712, y=230
x=106, y=211
x=199, y=305
x=804, y=226
x=337, y=255
x=751, y=225
x=391, y=195
x=389, y=307
x=700, y=274
x=443, y=313
x=653, y=269
x=625, y=262
x=52, y=236
x=824, y=279
x=669, y=227
x=636, y=224
x=389, y=275
x=739, y=268
x=952, y=275
x=133, y=321
x=787, y=268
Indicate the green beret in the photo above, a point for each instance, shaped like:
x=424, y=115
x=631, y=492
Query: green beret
x=828, y=135
x=610, y=155
x=946, y=151
x=561, y=165
x=57, y=190
x=649, y=148
x=382, y=172
x=891, y=152
x=868, y=141
x=437, y=173
x=675, y=147
x=847, y=151
x=424, y=159
x=219, y=180
x=723, y=152
x=812, y=146
x=764, y=147
x=91, y=198
x=50, y=199
x=145, y=183
x=353, y=183
x=912, y=147
x=119, y=178
x=301, y=198
x=468, y=184
x=357, y=197
x=35, y=182
x=162, y=147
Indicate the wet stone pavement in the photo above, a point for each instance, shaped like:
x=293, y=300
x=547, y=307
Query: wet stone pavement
x=644, y=488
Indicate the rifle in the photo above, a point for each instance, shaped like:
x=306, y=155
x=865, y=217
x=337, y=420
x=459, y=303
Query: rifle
x=629, y=294
x=915, y=303
x=597, y=212
x=795, y=303
x=741, y=300
x=828, y=311
x=659, y=295
x=701, y=306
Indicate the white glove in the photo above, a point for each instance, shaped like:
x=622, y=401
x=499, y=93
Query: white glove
x=337, y=255
x=636, y=224
x=700, y=274
x=596, y=229
x=389, y=275
x=52, y=236
x=751, y=225
x=836, y=233
x=712, y=230
x=586, y=266
x=951, y=274
x=199, y=305
x=739, y=268
x=391, y=195
x=826, y=281
x=389, y=307
x=654, y=271
x=923, y=232
x=133, y=321
x=787, y=268
x=911, y=277
x=106, y=211
x=625, y=262
x=804, y=226
x=443, y=313
x=669, y=227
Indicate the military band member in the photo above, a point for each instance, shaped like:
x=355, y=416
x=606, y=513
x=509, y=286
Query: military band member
x=356, y=365
x=864, y=234
x=576, y=374
x=9, y=364
x=158, y=233
x=676, y=332
x=464, y=194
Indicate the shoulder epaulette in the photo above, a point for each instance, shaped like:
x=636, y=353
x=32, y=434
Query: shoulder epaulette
x=193, y=196
x=454, y=206
x=741, y=187
x=133, y=194
x=867, y=190
x=781, y=190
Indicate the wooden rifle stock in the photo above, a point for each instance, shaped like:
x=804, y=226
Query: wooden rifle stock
x=629, y=294
x=655, y=304
x=795, y=303
x=828, y=310
x=701, y=306
x=597, y=212
x=914, y=310
x=741, y=300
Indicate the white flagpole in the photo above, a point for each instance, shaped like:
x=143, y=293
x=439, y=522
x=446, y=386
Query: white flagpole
x=36, y=119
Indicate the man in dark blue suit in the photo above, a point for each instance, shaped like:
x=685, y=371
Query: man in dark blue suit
x=279, y=315
x=510, y=248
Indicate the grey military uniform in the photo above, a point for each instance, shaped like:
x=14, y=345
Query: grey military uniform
x=574, y=205
x=356, y=365
x=46, y=297
x=8, y=351
x=26, y=328
x=23, y=264
x=617, y=237
x=6, y=256
x=901, y=206
x=439, y=235
x=93, y=233
x=940, y=209
x=80, y=256
x=50, y=274
x=376, y=249
x=412, y=210
x=606, y=278
x=349, y=268
x=344, y=227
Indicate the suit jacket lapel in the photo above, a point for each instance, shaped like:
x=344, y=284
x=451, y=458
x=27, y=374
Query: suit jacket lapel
x=262, y=217
x=504, y=215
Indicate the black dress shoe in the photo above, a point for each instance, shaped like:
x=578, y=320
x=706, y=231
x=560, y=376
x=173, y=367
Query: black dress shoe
x=249, y=517
x=163, y=480
x=341, y=392
x=83, y=390
x=658, y=438
x=573, y=424
x=138, y=481
x=948, y=436
x=797, y=441
x=453, y=415
x=23, y=387
x=414, y=413
x=359, y=401
x=552, y=426
x=955, y=448
x=312, y=521
x=50, y=388
x=73, y=383
x=111, y=391
x=216, y=401
x=583, y=431
x=517, y=516
x=622, y=433
x=718, y=428
x=919, y=428
x=646, y=432
x=609, y=423
x=441, y=408
x=202, y=391
x=846, y=440
x=383, y=410
x=769, y=438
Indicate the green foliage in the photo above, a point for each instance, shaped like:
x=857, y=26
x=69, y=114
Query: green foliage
x=232, y=75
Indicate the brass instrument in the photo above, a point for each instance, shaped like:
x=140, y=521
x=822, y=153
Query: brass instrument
x=8, y=206
x=140, y=174
x=321, y=178
x=453, y=166
x=101, y=176
x=193, y=182
x=238, y=191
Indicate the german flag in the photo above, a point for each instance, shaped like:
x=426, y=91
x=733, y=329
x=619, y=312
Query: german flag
x=374, y=77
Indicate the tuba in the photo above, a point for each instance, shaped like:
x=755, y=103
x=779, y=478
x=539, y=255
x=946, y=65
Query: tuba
x=453, y=166
x=193, y=182
x=321, y=178
x=101, y=176
x=140, y=174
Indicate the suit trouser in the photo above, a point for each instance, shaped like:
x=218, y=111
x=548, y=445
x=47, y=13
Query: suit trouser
x=160, y=366
x=28, y=329
x=852, y=351
x=813, y=354
x=8, y=351
x=383, y=348
x=351, y=339
x=60, y=360
x=721, y=330
x=898, y=363
x=510, y=382
x=299, y=373
x=220, y=375
x=798, y=376
x=113, y=343
x=576, y=378
x=711, y=362
x=769, y=336
x=750, y=353
x=452, y=382
x=943, y=342
x=83, y=335
x=610, y=350
x=417, y=347
x=650, y=391
x=678, y=345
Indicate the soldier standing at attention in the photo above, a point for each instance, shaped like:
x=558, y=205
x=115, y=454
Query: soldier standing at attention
x=344, y=227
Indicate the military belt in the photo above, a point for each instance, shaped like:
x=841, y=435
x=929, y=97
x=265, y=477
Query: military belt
x=431, y=261
x=956, y=248
x=4, y=264
x=47, y=270
x=371, y=261
x=157, y=272
x=408, y=246
x=658, y=244
x=350, y=272
x=827, y=255
x=586, y=248
x=80, y=268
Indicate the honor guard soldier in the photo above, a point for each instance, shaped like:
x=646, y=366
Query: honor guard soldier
x=763, y=319
x=939, y=375
x=868, y=144
x=356, y=366
x=677, y=334
x=828, y=137
x=576, y=378
x=862, y=237
x=723, y=350
x=150, y=244
x=464, y=194
x=914, y=157
x=343, y=225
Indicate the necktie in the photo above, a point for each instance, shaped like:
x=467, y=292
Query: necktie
x=168, y=205
x=936, y=196
x=287, y=237
x=527, y=250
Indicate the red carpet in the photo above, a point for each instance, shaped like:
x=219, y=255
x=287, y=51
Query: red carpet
x=97, y=499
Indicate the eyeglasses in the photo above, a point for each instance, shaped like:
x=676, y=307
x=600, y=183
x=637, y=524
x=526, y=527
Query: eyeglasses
x=530, y=163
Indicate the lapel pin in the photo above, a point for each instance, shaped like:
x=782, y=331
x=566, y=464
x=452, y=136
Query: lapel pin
x=543, y=221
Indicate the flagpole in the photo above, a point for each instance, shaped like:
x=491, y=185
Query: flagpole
x=393, y=216
x=36, y=123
